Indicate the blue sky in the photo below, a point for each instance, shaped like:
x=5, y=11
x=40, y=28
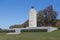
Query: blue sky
x=16, y=11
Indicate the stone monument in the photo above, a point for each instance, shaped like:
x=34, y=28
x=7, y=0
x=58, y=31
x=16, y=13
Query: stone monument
x=32, y=18
x=32, y=24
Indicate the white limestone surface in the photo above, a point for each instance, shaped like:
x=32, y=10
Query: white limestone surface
x=32, y=18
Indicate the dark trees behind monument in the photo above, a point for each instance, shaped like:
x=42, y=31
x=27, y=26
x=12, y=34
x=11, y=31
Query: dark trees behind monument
x=47, y=17
x=50, y=16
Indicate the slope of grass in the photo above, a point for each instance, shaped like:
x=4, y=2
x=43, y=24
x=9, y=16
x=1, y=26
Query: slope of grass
x=32, y=36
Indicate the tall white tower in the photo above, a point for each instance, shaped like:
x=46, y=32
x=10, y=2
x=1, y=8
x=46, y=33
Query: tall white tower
x=32, y=18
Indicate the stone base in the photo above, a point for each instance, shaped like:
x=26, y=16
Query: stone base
x=49, y=29
x=12, y=33
x=18, y=30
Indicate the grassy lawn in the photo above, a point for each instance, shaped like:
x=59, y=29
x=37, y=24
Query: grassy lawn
x=32, y=36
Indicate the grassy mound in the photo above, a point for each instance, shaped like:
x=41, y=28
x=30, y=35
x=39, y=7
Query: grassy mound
x=32, y=36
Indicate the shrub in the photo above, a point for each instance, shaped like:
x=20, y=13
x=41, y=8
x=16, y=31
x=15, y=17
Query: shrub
x=6, y=31
x=34, y=30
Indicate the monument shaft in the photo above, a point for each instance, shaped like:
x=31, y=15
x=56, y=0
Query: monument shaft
x=32, y=18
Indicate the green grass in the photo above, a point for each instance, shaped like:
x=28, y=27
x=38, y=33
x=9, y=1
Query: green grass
x=32, y=36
